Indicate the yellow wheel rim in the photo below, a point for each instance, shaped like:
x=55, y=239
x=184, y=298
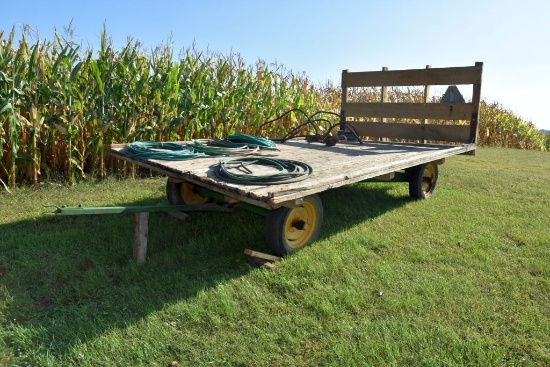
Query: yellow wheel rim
x=190, y=195
x=300, y=225
x=428, y=178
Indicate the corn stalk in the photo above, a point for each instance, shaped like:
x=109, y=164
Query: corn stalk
x=61, y=108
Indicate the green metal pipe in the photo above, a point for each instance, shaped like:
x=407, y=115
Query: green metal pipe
x=80, y=210
x=203, y=191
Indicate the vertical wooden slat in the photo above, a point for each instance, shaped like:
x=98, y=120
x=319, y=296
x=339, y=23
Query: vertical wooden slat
x=384, y=94
x=344, y=87
x=344, y=100
x=141, y=229
x=476, y=96
x=384, y=99
x=426, y=100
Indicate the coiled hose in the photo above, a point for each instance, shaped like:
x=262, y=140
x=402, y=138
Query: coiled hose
x=283, y=171
x=237, y=144
x=159, y=150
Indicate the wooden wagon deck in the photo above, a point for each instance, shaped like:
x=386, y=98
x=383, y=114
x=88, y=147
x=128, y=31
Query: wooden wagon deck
x=293, y=210
x=333, y=166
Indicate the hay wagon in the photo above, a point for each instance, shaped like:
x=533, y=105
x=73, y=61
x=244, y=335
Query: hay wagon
x=370, y=146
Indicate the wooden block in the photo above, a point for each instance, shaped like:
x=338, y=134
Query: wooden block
x=256, y=261
x=141, y=229
x=261, y=255
x=269, y=266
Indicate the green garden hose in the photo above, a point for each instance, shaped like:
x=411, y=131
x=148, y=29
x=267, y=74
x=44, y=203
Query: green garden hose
x=235, y=170
x=159, y=150
x=221, y=147
x=251, y=141
x=238, y=144
x=284, y=171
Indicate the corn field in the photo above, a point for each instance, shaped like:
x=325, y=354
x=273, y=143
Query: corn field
x=501, y=127
x=61, y=107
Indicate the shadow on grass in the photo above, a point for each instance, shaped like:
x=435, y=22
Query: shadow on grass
x=71, y=279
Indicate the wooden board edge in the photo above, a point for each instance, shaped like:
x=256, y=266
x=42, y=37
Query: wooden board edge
x=261, y=255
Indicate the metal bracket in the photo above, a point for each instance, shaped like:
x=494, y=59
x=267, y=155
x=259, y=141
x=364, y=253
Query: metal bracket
x=293, y=203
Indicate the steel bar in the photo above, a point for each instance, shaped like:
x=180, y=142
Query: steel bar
x=81, y=210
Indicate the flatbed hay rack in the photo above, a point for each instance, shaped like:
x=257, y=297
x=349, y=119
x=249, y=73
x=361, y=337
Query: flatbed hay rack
x=293, y=210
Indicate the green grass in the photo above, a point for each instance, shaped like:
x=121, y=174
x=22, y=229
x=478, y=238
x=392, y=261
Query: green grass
x=461, y=279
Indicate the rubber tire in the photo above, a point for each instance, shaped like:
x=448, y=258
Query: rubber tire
x=423, y=180
x=175, y=194
x=276, y=226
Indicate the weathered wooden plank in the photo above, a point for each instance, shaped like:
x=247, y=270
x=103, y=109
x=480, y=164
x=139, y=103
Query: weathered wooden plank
x=435, y=111
x=476, y=97
x=448, y=133
x=349, y=171
x=141, y=229
x=426, y=99
x=384, y=95
x=334, y=181
x=413, y=77
x=261, y=255
x=334, y=166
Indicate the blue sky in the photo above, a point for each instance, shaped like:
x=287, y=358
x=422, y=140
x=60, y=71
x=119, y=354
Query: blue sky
x=321, y=38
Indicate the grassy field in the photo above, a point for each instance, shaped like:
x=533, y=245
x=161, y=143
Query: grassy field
x=461, y=279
